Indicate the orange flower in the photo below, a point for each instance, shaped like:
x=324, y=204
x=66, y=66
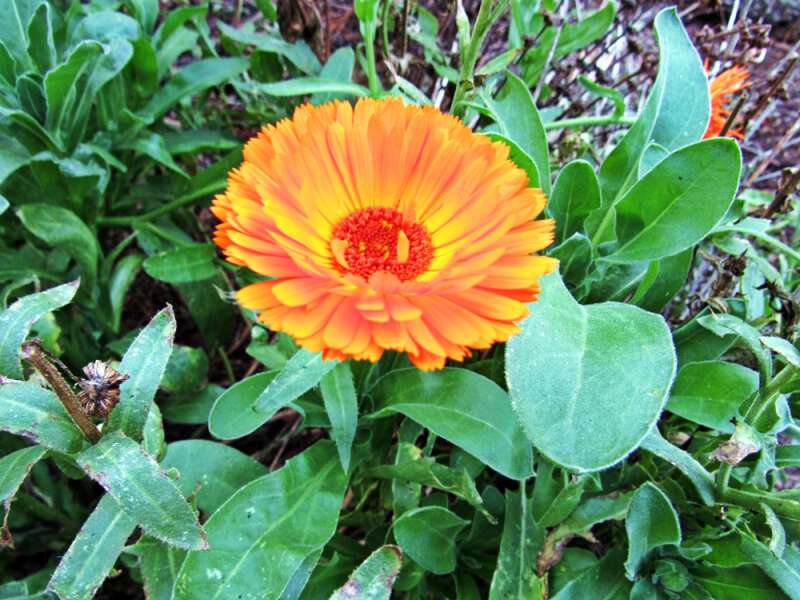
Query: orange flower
x=722, y=88
x=384, y=226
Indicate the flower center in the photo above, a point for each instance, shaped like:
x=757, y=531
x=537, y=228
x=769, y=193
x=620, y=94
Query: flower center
x=377, y=239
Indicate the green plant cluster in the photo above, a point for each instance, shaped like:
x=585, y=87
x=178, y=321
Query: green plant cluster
x=625, y=444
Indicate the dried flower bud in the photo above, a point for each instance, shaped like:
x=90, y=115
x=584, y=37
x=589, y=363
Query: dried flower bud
x=100, y=388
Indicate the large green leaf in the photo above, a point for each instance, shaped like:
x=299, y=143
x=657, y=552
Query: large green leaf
x=374, y=578
x=190, y=80
x=710, y=393
x=37, y=414
x=515, y=574
x=518, y=119
x=160, y=564
x=63, y=229
x=262, y=534
x=427, y=535
x=183, y=265
x=93, y=552
x=774, y=565
x=588, y=382
x=299, y=54
x=209, y=471
x=233, y=414
x=15, y=16
x=145, y=362
x=464, y=408
x=684, y=462
x=575, y=195
x=676, y=112
x=16, y=321
x=678, y=202
x=603, y=581
x=341, y=404
x=71, y=87
x=143, y=490
x=14, y=468
x=651, y=522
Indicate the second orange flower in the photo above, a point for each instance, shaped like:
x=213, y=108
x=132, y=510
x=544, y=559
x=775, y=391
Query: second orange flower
x=384, y=226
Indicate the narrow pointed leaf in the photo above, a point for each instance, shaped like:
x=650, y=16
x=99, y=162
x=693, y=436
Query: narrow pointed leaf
x=93, y=552
x=37, y=414
x=341, y=404
x=143, y=490
x=144, y=362
x=17, y=319
x=374, y=578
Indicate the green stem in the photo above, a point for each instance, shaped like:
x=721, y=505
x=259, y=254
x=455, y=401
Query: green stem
x=763, y=400
x=589, y=122
x=387, y=4
x=466, y=77
x=226, y=363
x=372, y=71
x=190, y=198
x=768, y=394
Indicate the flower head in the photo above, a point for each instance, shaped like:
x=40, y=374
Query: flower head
x=722, y=88
x=384, y=226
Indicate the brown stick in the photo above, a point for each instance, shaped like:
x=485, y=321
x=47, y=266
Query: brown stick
x=776, y=150
x=32, y=352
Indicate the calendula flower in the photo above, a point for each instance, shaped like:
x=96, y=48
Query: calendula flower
x=722, y=88
x=384, y=226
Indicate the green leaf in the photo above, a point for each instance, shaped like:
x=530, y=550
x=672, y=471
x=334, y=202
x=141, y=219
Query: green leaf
x=575, y=36
x=725, y=325
x=300, y=374
x=262, y=534
x=515, y=574
x=186, y=370
x=122, y=278
x=145, y=11
x=427, y=535
x=430, y=473
x=519, y=157
x=669, y=278
x=773, y=565
x=190, y=80
x=144, y=492
x=604, y=581
x=37, y=414
x=14, y=468
x=588, y=382
x=63, y=229
x=183, y=265
x=159, y=564
x=746, y=582
x=211, y=471
x=684, y=462
x=678, y=202
x=517, y=119
x=593, y=512
x=144, y=362
x=3, y=204
x=41, y=47
x=15, y=16
x=710, y=393
x=299, y=54
x=374, y=578
x=303, y=86
x=462, y=407
x=341, y=404
x=191, y=408
x=152, y=145
x=93, y=552
x=651, y=522
x=233, y=414
x=16, y=321
x=782, y=347
x=603, y=91
x=575, y=195
x=675, y=113
x=72, y=86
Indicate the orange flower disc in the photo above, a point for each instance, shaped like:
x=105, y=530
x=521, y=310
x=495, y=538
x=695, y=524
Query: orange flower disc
x=722, y=88
x=384, y=226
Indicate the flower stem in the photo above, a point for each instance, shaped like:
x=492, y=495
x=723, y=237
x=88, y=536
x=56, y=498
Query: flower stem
x=32, y=352
x=590, y=121
x=372, y=71
x=483, y=23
